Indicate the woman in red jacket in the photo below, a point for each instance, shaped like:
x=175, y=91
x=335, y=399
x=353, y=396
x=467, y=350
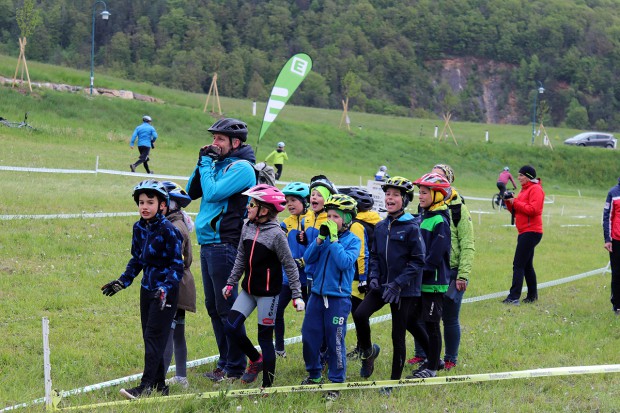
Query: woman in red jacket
x=527, y=209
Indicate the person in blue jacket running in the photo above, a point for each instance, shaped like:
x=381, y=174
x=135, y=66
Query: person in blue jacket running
x=146, y=135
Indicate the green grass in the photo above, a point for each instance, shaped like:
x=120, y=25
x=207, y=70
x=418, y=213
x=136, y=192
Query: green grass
x=54, y=268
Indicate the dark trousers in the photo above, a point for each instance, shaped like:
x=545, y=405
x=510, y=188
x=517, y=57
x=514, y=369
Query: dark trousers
x=283, y=300
x=216, y=262
x=614, y=260
x=155, y=331
x=278, y=170
x=144, y=158
x=523, y=266
x=400, y=313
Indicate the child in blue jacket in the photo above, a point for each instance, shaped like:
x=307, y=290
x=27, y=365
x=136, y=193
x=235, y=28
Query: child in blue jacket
x=333, y=255
x=435, y=226
x=156, y=251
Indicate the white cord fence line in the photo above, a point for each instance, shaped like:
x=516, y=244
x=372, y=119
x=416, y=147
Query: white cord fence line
x=293, y=340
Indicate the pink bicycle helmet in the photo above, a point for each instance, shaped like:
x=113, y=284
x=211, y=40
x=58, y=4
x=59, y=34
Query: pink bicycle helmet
x=268, y=195
x=435, y=182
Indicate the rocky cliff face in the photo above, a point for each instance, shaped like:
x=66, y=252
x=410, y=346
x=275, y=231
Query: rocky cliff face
x=491, y=77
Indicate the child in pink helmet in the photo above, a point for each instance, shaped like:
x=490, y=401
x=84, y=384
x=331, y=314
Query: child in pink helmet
x=262, y=252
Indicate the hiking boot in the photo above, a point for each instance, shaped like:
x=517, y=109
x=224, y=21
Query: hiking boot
x=353, y=354
x=309, y=380
x=136, y=392
x=132, y=167
x=216, y=375
x=163, y=389
x=528, y=300
x=416, y=360
x=449, y=365
x=332, y=395
x=178, y=381
x=368, y=362
x=281, y=353
x=423, y=374
x=252, y=371
x=510, y=301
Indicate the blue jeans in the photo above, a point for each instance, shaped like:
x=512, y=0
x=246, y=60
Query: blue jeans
x=451, y=324
x=216, y=261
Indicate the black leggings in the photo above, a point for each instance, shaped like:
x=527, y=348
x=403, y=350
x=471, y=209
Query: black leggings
x=234, y=330
x=371, y=304
x=523, y=266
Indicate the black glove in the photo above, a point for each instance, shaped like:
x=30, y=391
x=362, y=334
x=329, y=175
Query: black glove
x=391, y=295
x=373, y=284
x=362, y=287
x=112, y=288
x=152, y=145
x=324, y=231
x=160, y=297
x=211, y=151
x=301, y=238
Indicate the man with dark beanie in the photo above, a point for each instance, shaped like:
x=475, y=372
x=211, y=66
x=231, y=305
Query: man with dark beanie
x=527, y=208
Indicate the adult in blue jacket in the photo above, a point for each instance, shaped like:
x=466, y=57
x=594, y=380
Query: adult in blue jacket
x=223, y=172
x=395, y=276
x=146, y=135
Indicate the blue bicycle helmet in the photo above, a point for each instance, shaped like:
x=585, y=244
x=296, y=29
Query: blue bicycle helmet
x=177, y=194
x=153, y=187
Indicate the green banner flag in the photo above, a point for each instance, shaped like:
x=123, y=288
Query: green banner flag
x=289, y=79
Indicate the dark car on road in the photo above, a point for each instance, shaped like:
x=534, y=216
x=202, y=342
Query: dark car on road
x=604, y=140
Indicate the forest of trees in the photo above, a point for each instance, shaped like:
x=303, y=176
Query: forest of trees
x=385, y=55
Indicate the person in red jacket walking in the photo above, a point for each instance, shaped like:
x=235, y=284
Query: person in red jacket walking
x=527, y=210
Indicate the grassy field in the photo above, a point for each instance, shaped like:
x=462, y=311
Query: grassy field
x=53, y=268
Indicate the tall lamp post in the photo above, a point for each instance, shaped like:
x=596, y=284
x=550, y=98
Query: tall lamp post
x=105, y=15
x=539, y=91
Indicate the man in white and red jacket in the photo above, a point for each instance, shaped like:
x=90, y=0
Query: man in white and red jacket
x=611, y=233
x=527, y=208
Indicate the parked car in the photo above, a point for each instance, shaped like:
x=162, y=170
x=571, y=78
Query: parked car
x=605, y=140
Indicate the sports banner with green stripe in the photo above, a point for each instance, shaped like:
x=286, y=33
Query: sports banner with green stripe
x=289, y=79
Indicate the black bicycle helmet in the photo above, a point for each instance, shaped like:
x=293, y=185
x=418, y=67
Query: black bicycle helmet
x=321, y=180
x=364, y=199
x=151, y=186
x=177, y=193
x=233, y=128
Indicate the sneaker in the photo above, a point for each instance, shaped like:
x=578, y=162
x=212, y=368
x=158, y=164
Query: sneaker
x=510, y=301
x=449, y=365
x=332, y=395
x=617, y=311
x=368, y=363
x=416, y=360
x=309, y=380
x=151, y=172
x=216, y=375
x=132, y=167
x=178, y=381
x=423, y=374
x=135, y=392
x=386, y=391
x=251, y=373
x=353, y=354
x=163, y=389
x=281, y=353
x=528, y=300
